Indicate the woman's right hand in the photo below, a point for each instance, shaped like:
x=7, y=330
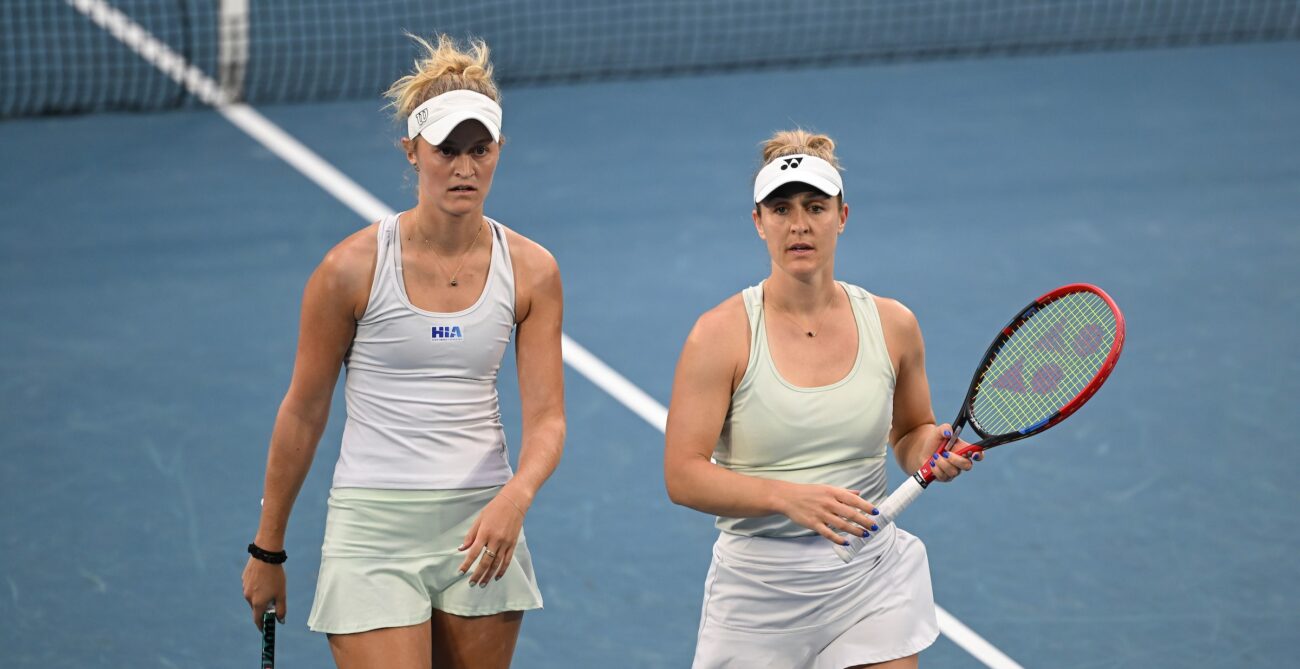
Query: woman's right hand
x=824, y=509
x=263, y=584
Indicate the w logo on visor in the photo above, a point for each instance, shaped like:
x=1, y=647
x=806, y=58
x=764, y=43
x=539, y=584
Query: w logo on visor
x=422, y=116
x=791, y=163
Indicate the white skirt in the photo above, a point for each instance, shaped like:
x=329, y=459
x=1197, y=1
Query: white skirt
x=789, y=603
x=390, y=558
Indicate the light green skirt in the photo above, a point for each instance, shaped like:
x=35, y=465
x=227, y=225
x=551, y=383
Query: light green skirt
x=389, y=559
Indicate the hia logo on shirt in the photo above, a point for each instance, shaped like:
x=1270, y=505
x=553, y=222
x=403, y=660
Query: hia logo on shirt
x=447, y=333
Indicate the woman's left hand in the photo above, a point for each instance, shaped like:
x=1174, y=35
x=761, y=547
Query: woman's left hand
x=492, y=539
x=947, y=465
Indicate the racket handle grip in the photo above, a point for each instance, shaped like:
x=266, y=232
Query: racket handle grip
x=889, y=510
x=268, y=638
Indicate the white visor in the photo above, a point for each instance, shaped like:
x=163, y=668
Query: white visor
x=439, y=115
x=798, y=168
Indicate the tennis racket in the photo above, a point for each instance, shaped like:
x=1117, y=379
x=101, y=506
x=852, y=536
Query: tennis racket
x=268, y=637
x=1045, y=364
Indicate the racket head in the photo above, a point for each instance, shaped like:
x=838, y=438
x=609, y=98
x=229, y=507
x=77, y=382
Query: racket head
x=1044, y=364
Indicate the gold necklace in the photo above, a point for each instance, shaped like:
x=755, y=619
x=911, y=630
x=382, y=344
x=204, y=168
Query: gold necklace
x=811, y=333
x=463, y=256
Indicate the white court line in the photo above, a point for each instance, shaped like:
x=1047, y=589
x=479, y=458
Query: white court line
x=973, y=643
x=617, y=385
x=304, y=160
x=368, y=207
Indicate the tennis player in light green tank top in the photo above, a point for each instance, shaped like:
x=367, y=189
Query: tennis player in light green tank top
x=832, y=433
x=785, y=399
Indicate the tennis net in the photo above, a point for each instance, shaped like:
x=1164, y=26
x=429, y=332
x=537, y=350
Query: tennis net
x=54, y=60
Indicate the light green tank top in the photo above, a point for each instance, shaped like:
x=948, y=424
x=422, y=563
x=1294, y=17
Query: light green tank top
x=834, y=434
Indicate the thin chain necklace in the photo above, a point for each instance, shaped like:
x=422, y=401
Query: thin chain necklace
x=463, y=256
x=813, y=332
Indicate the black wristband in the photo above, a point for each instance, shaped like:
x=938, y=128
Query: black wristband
x=267, y=556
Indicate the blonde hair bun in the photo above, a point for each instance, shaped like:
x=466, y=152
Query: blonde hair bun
x=790, y=142
x=444, y=67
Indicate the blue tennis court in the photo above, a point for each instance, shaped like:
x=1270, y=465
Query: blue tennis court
x=152, y=265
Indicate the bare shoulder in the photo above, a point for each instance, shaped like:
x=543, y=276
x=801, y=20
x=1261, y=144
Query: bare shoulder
x=348, y=269
x=895, y=315
x=354, y=255
x=727, y=318
x=531, y=257
x=720, y=335
x=537, y=277
x=901, y=329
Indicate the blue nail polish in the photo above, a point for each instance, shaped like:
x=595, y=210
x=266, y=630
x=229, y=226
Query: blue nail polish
x=945, y=454
x=846, y=542
x=875, y=512
x=875, y=529
x=866, y=535
x=947, y=433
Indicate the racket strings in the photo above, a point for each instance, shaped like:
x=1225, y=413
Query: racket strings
x=1045, y=363
x=1056, y=349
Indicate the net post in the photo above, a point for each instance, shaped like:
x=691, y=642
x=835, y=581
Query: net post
x=232, y=50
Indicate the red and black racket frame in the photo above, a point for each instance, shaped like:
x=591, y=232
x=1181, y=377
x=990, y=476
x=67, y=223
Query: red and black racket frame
x=925, y=474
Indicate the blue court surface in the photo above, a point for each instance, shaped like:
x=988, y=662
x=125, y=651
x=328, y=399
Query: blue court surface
x=151, y=268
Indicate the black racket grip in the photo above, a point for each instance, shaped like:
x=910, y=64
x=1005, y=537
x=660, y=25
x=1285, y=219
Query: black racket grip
x=268, y=638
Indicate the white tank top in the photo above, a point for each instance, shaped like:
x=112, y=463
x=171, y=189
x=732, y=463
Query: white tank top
x=421, y=386
x=834, y=434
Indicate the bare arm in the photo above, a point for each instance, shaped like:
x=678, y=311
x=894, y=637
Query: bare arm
x=541, y=379
x=326, y=328
x=914, y=435
x=539, y=311
x=702, y=388
x=706, y=373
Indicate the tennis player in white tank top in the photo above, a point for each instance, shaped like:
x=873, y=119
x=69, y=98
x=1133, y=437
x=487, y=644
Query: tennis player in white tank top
x=424, y=561
x=784, y=401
